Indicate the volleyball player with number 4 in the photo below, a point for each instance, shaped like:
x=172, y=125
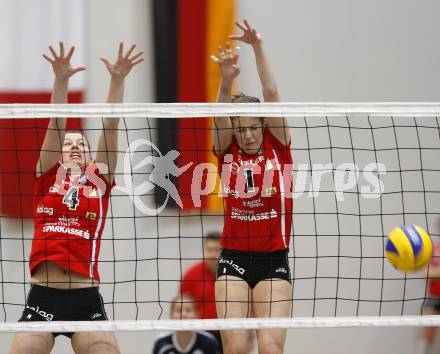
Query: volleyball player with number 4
x=253, y=275
x=71, y=197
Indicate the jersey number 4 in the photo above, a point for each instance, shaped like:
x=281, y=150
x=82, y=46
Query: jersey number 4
x=71, y=198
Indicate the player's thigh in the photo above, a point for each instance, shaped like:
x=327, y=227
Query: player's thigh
x=271, y=298
x=95, y=342
x=233, y=297
x=32, y=343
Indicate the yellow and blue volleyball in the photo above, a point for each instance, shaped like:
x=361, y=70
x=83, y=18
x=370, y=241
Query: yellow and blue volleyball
x=408, y=248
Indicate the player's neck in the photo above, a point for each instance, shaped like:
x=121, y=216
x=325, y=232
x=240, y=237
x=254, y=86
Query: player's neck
x=184, y=339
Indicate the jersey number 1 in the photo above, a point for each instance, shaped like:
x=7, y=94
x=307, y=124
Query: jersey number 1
x=249, y=181
x=71, y=198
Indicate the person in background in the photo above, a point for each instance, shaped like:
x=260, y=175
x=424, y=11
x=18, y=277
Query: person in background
x=198, y=281
x=184, y=307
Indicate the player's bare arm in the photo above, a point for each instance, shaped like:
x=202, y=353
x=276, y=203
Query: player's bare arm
x=51, y=149
x=277, y=125
x=229, y=70
x=108, y=140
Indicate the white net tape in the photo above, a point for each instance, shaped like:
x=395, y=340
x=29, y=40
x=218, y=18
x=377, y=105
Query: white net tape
x=222, y=324
x=185, y=110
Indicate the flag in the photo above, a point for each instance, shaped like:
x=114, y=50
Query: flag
x=28, y=28
x=187, y=34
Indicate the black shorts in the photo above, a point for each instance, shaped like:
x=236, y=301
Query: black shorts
x=50, y=304
x=254, y=267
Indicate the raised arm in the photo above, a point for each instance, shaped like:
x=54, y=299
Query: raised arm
x=51, y=149
x=277, y=125
x=229, y=70
x=108, y=139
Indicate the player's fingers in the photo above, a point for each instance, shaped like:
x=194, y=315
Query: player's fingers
x=134, y=57
x=47, y=58
x=228, y=50
x=221, y=52
x=70, y=53
x=138, y=61
x=239, y=25
x=121, y=50
x=248, y=26
x=78, y=69
x=61, y=49
x=105, y=61
x=53, y=52
x=130, y=51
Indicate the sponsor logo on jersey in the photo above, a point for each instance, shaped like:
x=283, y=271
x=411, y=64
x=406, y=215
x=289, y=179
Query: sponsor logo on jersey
x=252, y=161
x=93, y=193
x=253, y=203
x=228, y=190
x=41, y=209
x=96, y=315
x=54, y=189
x=233, y=265
x=281, y=270
x=91, y=215
x=67, y=230
x=46, y=315
x=254, y=217
x=270, y=191
x=65, y=221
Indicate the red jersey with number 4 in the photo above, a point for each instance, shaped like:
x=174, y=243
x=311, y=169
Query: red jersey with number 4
x=258, y=191
x=69, y=217
x=434, y=284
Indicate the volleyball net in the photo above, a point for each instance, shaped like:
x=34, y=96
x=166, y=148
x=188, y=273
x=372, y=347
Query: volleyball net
x=359, y=171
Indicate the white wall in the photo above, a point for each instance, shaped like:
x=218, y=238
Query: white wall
x=320, y=51
x=345, y=50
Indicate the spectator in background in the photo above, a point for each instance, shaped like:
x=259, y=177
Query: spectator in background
x=184, y=307
x=199, y=280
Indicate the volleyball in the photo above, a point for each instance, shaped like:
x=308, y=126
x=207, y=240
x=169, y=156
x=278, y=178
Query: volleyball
x=408, y=248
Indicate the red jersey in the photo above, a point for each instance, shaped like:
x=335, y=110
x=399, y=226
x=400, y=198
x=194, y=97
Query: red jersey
x=199, y=283
x=258, y=193
x=434, y=284
x=69, y=218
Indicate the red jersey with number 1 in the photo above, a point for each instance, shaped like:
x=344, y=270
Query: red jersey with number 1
x=258, y=193
x=69, y=217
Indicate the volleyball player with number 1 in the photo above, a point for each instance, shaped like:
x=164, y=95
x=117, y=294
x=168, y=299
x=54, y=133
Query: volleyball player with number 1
x=253, y=275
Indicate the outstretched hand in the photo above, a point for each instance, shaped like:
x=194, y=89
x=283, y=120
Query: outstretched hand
x=249, y=35
x=61, y=62
x=124, y=63
x=228, y=62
